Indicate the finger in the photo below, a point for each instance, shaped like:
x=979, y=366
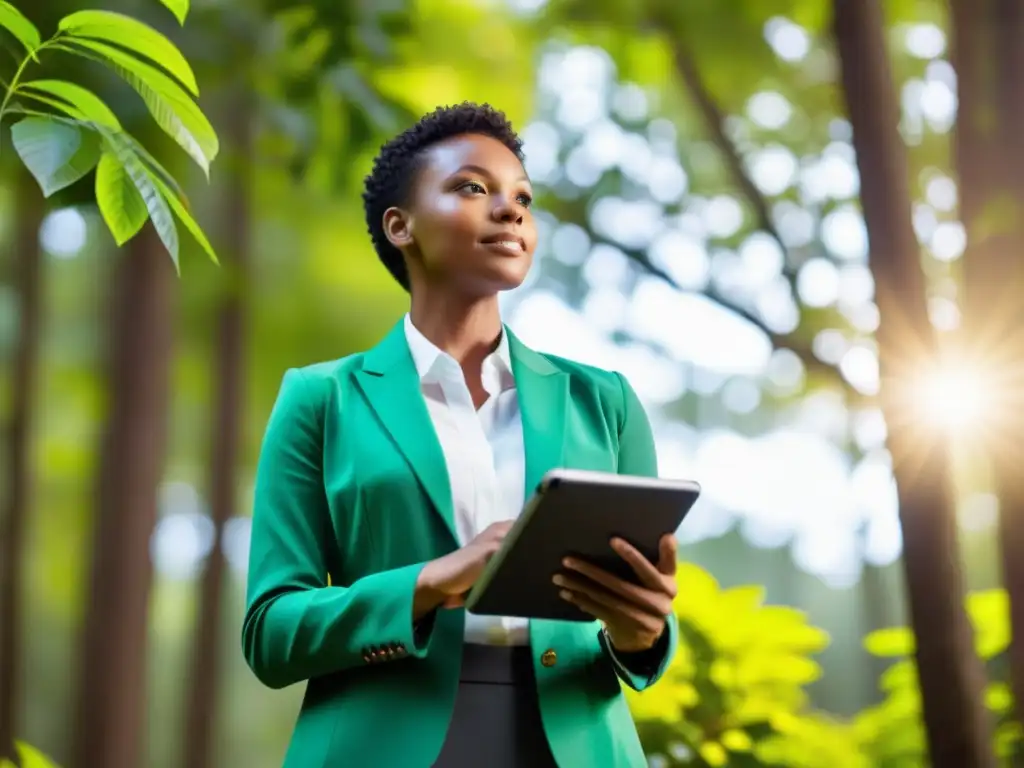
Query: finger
x=668, y=555
x=610, y=616
x=590, y=606
x=624, y=609
x=638, y=595
x=645, y=570
x=499, y=529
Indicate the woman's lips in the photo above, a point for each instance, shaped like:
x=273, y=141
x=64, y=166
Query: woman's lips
x=510, y=247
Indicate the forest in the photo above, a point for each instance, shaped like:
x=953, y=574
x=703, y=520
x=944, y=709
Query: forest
x=789, y=223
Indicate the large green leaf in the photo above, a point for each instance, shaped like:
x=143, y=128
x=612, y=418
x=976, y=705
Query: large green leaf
x=159, y=211
x=24, y=30
x=171, y=106
x=85, y=103
x=55, y=153
x=119, y=201
x=178, y=7
x=186, y=218
x=135, y=36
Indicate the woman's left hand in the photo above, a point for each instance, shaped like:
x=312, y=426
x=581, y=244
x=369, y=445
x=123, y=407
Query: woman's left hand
x=634, y=616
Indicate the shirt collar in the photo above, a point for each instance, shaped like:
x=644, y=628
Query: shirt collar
x=434, y=363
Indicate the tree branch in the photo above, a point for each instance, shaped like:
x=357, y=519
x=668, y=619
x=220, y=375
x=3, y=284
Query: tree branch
x=778, y=340
x=714, y=120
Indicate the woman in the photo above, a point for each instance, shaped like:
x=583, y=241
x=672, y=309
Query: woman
x=388, y=478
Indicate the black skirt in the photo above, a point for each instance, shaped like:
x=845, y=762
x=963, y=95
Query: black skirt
x=496, y=722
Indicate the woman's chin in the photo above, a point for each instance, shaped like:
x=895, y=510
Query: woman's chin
x=506, y=278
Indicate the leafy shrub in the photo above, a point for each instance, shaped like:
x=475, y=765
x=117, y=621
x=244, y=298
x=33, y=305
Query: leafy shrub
x=735, y=694
x=892, y=733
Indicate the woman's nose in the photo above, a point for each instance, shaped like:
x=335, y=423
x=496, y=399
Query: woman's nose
x=506, y=211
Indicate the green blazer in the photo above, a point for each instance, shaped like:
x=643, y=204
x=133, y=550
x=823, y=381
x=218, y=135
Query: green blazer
x=352, y=499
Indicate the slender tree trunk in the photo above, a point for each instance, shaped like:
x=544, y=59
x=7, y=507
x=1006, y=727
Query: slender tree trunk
x=28, y=260
x=956, y=723
x=204, y=678
x=111, y=696
x=989, y=152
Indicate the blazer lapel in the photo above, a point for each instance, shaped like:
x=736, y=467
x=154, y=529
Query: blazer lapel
x=543, y=395
x=392, y=387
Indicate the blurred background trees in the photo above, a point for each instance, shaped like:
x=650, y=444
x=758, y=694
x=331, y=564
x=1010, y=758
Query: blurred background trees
x=792, y=224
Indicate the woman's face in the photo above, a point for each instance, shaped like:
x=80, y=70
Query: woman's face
x=468, y=223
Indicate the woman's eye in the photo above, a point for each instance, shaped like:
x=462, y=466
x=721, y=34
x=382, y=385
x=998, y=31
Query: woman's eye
x=472, y=186
x=525, y=200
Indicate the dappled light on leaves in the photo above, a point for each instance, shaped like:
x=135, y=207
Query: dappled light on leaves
x=890, y=733
x=738, y=683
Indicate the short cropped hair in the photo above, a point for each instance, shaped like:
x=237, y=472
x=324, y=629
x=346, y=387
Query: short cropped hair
x=391, y=181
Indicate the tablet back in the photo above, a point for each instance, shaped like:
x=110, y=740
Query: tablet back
x=577, y=513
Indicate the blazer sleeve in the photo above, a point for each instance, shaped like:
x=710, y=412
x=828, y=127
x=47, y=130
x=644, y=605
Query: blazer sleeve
x=638, y=456
x=296, y=625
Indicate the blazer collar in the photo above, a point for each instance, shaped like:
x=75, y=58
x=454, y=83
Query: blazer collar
x=433, y=363
x=393, y=352
x=391, y=384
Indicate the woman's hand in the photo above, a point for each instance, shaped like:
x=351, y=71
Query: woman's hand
x=634, y=616
x=449, y=578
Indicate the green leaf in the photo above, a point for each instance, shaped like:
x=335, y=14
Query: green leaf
x=172, y=108
x=1007, y=740
x=901, y=675
x=178, y=7
x=894, y=641
x=119, y=201
x=76, y=117
x=56, y=154
x=15, y=22
x=990, y=616
x=756, y=669
x=186, y=218
x=86, y=103
x=135, y=36
x=159, y=211
x=154, y=165
x=33, y=758
x=998, y=697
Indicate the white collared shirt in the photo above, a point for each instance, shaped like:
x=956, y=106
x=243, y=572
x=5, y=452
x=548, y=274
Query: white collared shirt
x=484, y=453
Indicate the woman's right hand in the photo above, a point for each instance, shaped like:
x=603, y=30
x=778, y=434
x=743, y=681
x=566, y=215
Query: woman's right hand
x=449, y=578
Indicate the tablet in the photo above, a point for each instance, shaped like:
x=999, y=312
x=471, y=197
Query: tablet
x=576, y=512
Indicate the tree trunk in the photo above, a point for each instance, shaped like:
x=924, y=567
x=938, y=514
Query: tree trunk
x=989, y=154
x=28, y=260
x=111, y=696
x=201, y=700
x=956, y=723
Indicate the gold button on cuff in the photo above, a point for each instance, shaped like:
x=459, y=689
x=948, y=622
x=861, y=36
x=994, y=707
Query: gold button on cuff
x=549, y=658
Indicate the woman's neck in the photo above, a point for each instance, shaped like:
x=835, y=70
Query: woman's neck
x=466, y=330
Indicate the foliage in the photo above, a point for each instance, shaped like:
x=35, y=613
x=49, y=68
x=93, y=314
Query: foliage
x=30, y=758
x=735, y=694
x=891, y=733
x=66, y=131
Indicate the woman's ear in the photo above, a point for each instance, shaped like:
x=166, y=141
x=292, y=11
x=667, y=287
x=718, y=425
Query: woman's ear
x=398, y=227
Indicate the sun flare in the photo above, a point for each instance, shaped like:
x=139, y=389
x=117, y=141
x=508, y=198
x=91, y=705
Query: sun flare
x=952, y=397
